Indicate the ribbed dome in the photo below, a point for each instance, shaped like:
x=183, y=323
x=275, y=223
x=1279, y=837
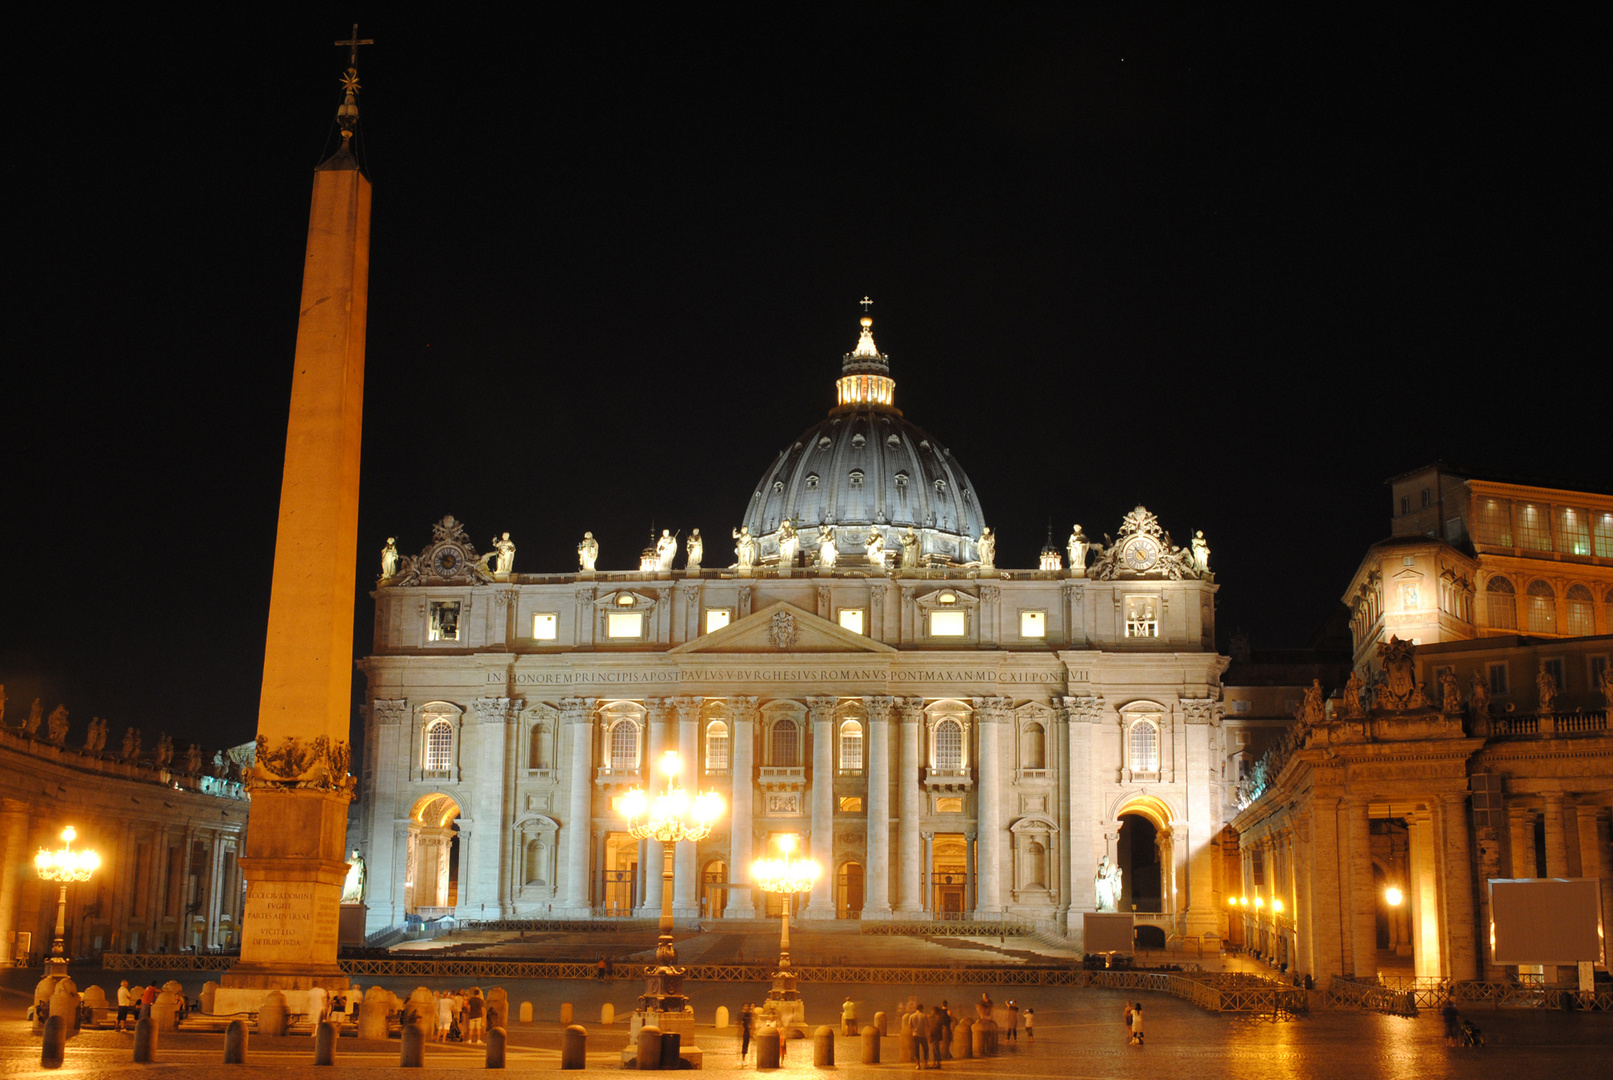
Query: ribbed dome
x=866, y=465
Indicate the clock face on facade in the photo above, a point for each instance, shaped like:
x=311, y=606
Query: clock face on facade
x=445, y=561
x=1140, y=553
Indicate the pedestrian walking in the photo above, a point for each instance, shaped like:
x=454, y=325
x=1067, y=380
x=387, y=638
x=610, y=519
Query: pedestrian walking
x=1013, y=1022
x=1137, y=1024
x=1030, y=1025
x=445, y=1015
x=1127, y=1019
x=913, y=1028
x=747, y=1023
x=476, y=1011
x=848, y=1018
x=1453, y=1023
x=935, y=1029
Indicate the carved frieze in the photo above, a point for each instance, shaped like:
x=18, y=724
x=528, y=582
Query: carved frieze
x=318, y=764
x=782, y=631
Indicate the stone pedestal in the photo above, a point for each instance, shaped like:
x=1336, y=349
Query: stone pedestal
x=351, y=927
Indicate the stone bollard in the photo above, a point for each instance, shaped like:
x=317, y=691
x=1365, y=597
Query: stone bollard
x=42, y=993
x=526, y=1012
x=870, y=1036
x=879, y=1022
x=649, y=1047
x=823, y=1047
x=235, y=1042
x=93, y=997
x=671, y=1043
x=412, y=1053
x=325, y=1036
x=145, y=1042
x=209, y=996
x=54, y=1048
x=424, y=1004
x=372, y=1013
x=607, y=1013
x=767, y=1048
x=565, y=1014
x=722, y=1017
x=271, y=1014
x=962, y=1046
x=495, y=1048
x=165, y=1011
x=64, y=1003
x=574, y=1047
x=977, y=1038
x=994, y=1034
x=498, y=1008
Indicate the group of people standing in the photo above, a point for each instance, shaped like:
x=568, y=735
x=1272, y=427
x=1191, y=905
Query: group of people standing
x=461, y=1015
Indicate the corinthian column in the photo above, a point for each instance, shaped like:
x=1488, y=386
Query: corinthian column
x=741, y=902
x=910, y=712
x=657, y=712
x=577, y=714
x=821, y=903
x=877, y=876
x=988, y=717
x=686, y=888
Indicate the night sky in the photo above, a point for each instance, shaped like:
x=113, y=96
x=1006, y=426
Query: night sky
x=1238, y=267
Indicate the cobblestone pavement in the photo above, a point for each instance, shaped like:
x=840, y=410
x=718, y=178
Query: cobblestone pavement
x=1079, y=1037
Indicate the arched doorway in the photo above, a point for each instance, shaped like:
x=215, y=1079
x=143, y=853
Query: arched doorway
x=714, y=890
x=849, y=891
x=621, y=874
x=1141, y=875
x=431, y=875
x=949, y=867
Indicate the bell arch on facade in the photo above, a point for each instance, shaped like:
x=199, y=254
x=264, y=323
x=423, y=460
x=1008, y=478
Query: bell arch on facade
x=433, y=857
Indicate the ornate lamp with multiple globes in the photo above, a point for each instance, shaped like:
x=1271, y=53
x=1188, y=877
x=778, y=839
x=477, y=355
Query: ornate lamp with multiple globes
x=785, y=876
x=64, y=865
x=671, y=816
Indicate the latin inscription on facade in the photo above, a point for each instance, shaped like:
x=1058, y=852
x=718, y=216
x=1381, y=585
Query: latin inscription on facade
x=773, y=675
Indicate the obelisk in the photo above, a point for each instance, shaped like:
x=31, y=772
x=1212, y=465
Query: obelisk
x=295, y=858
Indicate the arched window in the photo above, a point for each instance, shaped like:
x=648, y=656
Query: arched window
x=538, y=757
x=1542, y=608
x=716, y=747
x=1144, y=747
x=1580, y=616
x=949, y=746
x=1035, y=747
x=623, y=746
x=851, y=747
x=785, y=744
x=1502, y=601
x=439, y=746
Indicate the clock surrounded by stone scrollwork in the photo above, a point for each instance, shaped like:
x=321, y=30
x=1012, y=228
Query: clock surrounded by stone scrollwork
x=447, y=560
x=1140, y=554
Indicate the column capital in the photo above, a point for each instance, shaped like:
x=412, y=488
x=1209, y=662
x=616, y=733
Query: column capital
x=744, y=708
x=821, y=707
x=658, y=709
x=687, y=706
x=577, y=710
x=879, y=707
x=910, y=710
x=1083, y=709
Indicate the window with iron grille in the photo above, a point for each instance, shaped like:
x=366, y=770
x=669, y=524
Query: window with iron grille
x=851, y=746
x=1534, y=527
x=949, y=746
x=1579, y=615
x=1144, y=746
x=717, y=747
x=785, y=744
x=439, y=746
x=623, y=746
x=1542, y=608
x=1502, y=603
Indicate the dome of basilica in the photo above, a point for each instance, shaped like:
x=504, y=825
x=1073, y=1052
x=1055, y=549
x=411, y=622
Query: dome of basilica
x=867, y=467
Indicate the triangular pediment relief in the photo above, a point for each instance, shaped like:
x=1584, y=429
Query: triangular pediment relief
x=1407, y=573
x=783, y=628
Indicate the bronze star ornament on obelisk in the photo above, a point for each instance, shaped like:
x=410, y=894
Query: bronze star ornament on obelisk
x=295, y=855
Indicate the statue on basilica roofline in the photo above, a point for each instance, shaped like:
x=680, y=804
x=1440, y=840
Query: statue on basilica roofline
x=789, y=542
x=389, y=559
x=131, y=746
x=1478, y=697
x=910, y=549
x=696, y=549
x=193, y=760
x=506, y=554
x=1450, y=694
x=1078, y=545
x=1201, y=553
x=1547, y=687
x=587, y=551
x=744, y=548
x=58, y=725
x=165, y=751
x=666, y=549
x=987, y=547
x=36, y=716
x=827, y=551
x=876, y=547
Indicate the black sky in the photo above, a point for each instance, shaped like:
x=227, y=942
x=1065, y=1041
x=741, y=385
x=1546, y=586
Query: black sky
x=1240, y=267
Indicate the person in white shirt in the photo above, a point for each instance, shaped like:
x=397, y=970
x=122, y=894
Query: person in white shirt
x=125, y=1003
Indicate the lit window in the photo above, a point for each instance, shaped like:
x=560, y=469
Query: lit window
x=629, y=624
x=717, y=618
x=717, y=747
x=851, y=746
x=851, y=804
x=1580, y=614
x=1032, y=624
x=439, y=746
x=1502, y=601
x=949, y=623
x=624, y=746
x=545, y=626
x=1142, y=619
x=1604, y=535
x=1144, y=747
x=1542, y=608
x=949, y=805
x=1573, y=531
x=1492, y=523
x=1534, y=527
x=785, y=744
x=444, y=620
x=949, y=746
x=851, y=618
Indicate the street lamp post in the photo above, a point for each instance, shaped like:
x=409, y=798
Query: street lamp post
x=64, y=865
x=669, y=817
x=786, y=877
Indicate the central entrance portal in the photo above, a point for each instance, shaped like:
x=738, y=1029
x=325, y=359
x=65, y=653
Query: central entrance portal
x=621, y=874
x=949, y=873
x=431, y=882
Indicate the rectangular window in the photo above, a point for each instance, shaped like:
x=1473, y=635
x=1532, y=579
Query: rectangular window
x=717, y=618
x=1573, y=531
x=1498, y=678
x=851, y=618
x=1534, y=527
x=1554, y=668
x=949, y=623
x=1453, y=529
x=1405, y=504
x=851, y=804
x=624, y=624
x=717, y=753
x=1142, y=618
x=1240, y=706
x=948, y=805
x=1492, y=522
x=1597, y=669
x=1603, y=527
x=1428, y=497
x=545, y=626
x=444, y=621
x=1032, y=624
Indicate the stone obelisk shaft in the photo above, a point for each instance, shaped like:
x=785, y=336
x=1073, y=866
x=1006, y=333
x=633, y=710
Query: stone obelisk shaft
x=294, y=854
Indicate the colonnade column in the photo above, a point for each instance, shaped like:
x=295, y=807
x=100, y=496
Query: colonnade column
x=910, y=714
x=1332, y=944
x=577, y=714
x=971, y=879
x=1423, y=890
x=14, y=850
x=658, y=740
x=1080, y=712
x=1459, y=941
x=821, y=902
x=686, y=862
x=988, y=717
x=1591, y=862
x=1304, y=917
x=741, y=902
x=1363, y=907
x=1522, y=821
x=927, y=876
x=1556, y=835
x=876, y=877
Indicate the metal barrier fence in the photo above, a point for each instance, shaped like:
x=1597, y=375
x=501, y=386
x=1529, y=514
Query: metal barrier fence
x=1390, y=993
x=947, y=928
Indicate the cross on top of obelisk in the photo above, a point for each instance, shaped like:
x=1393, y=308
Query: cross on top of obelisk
x=866, y=303
x=353, y=43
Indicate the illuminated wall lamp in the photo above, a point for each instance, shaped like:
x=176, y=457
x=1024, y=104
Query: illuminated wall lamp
x=1393, y=896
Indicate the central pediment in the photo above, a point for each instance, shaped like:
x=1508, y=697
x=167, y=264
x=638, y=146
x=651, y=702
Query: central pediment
x=783, y=628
